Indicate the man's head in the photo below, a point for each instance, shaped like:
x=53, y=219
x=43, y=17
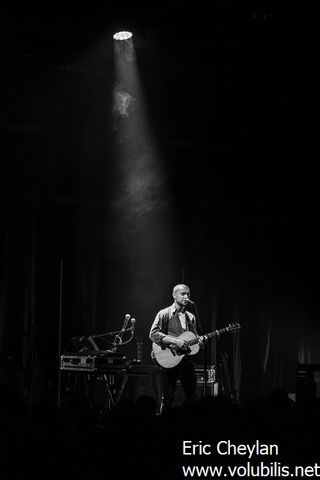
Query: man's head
x=181, y=294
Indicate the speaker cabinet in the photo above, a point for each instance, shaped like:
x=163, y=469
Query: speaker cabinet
x=307, y=382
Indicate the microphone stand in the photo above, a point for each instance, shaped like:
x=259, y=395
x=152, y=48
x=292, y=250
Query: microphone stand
x=117, y=333
x=118, y=338
x=205, y=361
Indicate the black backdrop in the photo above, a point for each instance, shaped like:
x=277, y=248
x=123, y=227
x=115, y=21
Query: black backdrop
x=231, y=113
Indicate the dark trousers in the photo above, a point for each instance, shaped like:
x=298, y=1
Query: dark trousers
x=185, y=372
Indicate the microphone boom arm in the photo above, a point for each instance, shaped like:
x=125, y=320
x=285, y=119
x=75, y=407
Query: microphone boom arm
x=115, y=332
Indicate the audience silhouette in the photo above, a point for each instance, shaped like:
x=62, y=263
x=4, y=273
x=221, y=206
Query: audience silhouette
x=73, y=439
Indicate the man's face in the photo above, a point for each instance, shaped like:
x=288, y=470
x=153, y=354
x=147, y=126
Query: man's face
x=181, y=296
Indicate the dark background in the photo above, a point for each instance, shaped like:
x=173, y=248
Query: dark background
x=229, y=98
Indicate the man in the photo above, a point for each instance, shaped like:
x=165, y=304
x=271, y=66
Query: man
x=165, y=330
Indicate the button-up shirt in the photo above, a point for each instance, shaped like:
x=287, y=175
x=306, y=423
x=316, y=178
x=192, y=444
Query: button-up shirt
x=162, y=327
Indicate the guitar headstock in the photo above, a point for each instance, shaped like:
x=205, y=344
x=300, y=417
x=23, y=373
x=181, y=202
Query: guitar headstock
x=234, y=327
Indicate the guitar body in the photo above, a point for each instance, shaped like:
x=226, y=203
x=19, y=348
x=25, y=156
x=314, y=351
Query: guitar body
x=169, y=358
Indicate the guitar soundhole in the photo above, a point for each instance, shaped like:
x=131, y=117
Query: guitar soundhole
x=176, y=352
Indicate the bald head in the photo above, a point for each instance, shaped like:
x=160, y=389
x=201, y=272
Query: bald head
x=178, y=288
x=181, y=295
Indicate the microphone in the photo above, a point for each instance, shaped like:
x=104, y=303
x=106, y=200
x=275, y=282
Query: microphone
x=133, y=321
x=118, y=337
x=190, y=301
x=125, y=323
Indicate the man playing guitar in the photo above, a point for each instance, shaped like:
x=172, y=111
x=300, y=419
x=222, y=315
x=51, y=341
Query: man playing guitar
x=168, y=325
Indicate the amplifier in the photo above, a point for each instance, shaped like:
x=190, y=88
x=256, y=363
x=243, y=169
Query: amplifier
x=105, y=363
x=209, y=374
x=110, y=363
x=208, y=389
x=307, y=382
x=77, y=363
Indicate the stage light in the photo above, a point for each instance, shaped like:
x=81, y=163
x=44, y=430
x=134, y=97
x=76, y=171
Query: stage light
x=122, y=35
x=124, y=48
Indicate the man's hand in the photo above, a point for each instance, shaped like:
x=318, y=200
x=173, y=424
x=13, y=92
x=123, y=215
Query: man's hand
x=179, y=347
x=180, y=343
x=175, y=343
x=202, y=340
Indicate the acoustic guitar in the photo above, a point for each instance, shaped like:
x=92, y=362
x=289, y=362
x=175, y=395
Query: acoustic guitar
x=171, y=356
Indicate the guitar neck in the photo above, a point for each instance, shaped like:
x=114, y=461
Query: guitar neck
x=216, y=333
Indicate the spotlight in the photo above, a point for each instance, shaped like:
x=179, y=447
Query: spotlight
x=124, y=47
x=122, y=35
